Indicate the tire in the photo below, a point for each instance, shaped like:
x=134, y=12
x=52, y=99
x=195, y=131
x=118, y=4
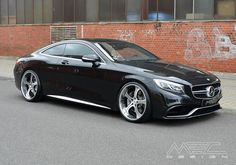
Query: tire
x=134, y=103
x=31, y=88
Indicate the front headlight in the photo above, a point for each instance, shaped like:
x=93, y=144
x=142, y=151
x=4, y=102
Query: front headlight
x=169, y=86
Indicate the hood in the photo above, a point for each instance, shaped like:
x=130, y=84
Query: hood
x=174, y=71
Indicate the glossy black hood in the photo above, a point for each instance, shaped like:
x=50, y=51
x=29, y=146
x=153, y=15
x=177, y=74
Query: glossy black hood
x=174, y=70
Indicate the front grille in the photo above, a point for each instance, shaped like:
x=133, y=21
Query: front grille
x=200, y=91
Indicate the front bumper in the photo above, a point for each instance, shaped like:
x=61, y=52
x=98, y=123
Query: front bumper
x=180, y=112
x=167, y=105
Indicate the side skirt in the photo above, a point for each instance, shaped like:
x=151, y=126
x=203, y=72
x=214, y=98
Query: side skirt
x=77, y=101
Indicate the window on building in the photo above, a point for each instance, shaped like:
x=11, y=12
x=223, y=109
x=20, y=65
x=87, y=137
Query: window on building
x=56, y=50
x=91, y=10
x=203, y=9
x=80, y=10
x=104, y=10
x=150, y=10
x=38, y=11
x=225, y=9
x=4, y=12
x=133, y=10
x=12, y=11
x=20, y=12
x=184, y=9
x=165, y=10
x=58, y=11
x=29, y=15
x=69, y=11
x=77, y=51
x=118, y=10
x=47, y=11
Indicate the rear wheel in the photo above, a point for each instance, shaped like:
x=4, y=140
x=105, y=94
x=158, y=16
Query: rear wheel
x=134, y=102
x=30, y=86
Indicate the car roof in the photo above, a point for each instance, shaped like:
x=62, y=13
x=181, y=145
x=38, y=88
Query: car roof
x=101, y=40
x=93, y=40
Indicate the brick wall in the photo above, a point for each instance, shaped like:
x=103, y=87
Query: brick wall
x=207, y=45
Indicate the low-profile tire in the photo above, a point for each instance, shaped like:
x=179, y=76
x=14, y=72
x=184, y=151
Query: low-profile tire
x=31, y=88
x=134, y=102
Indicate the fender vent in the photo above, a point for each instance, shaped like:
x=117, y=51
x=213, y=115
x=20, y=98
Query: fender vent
x=59, y=33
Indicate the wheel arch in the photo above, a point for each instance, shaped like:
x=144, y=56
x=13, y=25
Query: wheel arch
x=133, y=78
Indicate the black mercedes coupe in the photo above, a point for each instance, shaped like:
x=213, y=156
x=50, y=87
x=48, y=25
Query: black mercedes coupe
x=117, y=75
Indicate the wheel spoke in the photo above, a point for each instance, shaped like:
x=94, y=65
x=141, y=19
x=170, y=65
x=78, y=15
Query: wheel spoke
x=31, y=78
x=35, y=83
x=28, y=94
x=142, y=102
x=126, y=109
x=33, y=91
x=138, y=114
x=136, y=91
x=128, y=96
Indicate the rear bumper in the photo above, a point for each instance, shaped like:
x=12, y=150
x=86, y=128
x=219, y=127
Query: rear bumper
x=190, y=113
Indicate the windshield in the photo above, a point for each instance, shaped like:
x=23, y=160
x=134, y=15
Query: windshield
x=124, y=51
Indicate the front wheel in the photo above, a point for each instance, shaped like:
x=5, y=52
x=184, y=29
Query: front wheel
x=134, y=102
x=30, y=86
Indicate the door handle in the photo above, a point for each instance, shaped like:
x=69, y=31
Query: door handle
x=65, y=62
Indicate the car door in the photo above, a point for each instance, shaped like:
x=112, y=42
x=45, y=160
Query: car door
x=49, y=70
x=81, y=80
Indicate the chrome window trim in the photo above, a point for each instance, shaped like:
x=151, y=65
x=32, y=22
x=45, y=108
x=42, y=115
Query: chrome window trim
x=62, y=56
x=104, y=52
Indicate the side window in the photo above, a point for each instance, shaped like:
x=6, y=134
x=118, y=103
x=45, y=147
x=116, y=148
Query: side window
x=77, y=51
x=56, y=50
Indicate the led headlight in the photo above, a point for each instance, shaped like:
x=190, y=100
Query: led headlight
x=169, y=86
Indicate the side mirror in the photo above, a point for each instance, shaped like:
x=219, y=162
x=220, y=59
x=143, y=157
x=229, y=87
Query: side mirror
x=92, y=58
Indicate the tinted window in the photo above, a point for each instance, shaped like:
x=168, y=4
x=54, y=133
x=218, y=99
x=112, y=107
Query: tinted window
x=4, y=12
x=56, y=50
x=104, y=10
x=123, y=51
x=150, y=10
x=20, y=11
x=47, y=11
x=29, y=12
x=184, y=9
x=69, y=10
x=58, y=11
x=38, y=15
x=166, y=9
x=133, y=10
x=118, y=10
x=225, y=9
x=12, y=11
x=91, y=10
x=77, y=50
x=203, y=9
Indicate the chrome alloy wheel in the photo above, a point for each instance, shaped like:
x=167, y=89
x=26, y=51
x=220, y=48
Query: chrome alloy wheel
x=132, y=101
x=29, y=85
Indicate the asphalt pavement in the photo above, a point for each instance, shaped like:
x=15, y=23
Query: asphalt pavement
x=55, y=132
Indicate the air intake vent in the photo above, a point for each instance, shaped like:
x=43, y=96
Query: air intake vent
x=59, y=33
